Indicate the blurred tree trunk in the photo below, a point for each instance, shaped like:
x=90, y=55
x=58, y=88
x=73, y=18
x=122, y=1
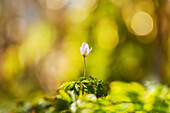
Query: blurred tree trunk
x=161, y=52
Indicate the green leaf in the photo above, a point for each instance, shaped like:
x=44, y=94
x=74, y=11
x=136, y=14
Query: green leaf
x=100, y=90
x=65, y=96
x=91, y=77
x=90, y=89
x=77, y=89
x=96, y=79
x=85, y=81
x=101, y=81
x=81, y=79
x=66, y=84
x=70, y=86
x=84, y=85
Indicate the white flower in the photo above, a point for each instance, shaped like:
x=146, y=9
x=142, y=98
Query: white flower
x=91, y=97
x=84, y=49
x=73, y=107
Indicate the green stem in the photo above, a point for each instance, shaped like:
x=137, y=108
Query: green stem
x=84, y=74
x=84, y=67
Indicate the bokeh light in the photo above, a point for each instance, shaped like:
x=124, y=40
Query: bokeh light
x=142, y=24
x=107, y=34
x=11, y=63
x=41, y=37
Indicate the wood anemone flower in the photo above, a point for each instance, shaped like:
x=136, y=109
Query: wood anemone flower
x=84, y=49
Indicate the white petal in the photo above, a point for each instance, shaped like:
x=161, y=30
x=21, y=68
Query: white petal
x=81, y=50
x=84, y=45
x=85, y=53
x=89, y=50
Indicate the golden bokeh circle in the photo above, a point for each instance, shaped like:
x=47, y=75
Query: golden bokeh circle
x=142, y=24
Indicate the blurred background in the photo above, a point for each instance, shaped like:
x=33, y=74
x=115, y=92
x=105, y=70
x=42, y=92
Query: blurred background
x=40, y=43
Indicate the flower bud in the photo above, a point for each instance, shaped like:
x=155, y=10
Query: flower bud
x=84, y=49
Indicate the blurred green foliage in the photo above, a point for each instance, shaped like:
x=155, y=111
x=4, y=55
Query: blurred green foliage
x=84, y=85
x=123, y=97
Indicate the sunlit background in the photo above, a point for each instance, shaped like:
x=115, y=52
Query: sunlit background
x=40, y=43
